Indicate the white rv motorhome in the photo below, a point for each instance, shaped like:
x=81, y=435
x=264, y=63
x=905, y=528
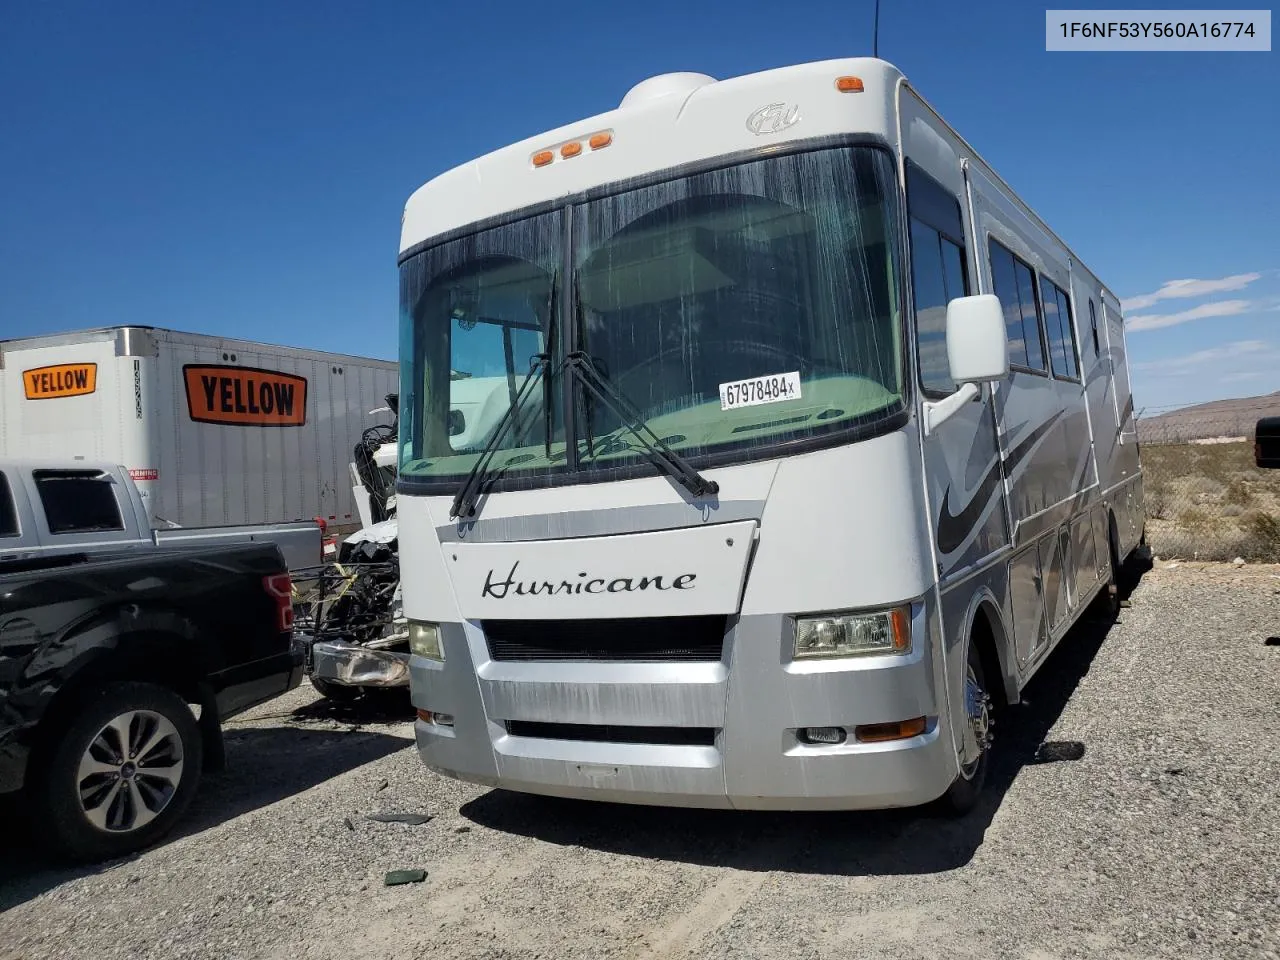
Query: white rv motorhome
x=824, y=440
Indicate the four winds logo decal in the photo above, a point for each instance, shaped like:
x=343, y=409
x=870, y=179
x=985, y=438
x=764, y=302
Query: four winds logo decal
x=773, y=118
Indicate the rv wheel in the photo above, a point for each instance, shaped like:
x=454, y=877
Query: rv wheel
x=975, y=740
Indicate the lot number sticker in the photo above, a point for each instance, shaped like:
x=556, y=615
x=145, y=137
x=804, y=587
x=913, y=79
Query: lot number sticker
x=758, y=390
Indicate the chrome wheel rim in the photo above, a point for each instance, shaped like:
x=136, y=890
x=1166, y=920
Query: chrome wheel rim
x=977, y=729
x=130, y=772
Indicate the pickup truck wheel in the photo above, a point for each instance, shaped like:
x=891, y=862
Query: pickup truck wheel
x=122, y=773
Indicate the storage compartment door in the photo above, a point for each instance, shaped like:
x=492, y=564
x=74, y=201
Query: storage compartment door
x=1028, y=606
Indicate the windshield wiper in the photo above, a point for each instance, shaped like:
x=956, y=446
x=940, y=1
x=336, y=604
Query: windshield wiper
x=468, y=495
x=670, y=462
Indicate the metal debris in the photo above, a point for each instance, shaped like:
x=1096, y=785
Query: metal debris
x=413, y=819
x=395, y=878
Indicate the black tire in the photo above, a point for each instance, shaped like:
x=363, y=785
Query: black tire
x=392, y=700
x=963, y=794
x=337, y=692
x=99, y=815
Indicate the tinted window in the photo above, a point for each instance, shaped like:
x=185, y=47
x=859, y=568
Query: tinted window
x=1012, y=282
x=8, y=514
x=1093, y=325
x=78, y=501
x=1053, y=328
x=1068, y=333
x=937, y=272
x=1005, y=284
x=1058, y=327
x=930, y=293
x=1030, y=321
x=953, y=270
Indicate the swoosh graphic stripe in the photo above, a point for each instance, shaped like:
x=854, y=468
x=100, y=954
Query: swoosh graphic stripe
x=1019, y=453
x=1126, y=412
x=954, y=528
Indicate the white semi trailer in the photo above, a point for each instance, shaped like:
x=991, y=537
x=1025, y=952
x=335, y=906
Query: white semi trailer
x=213, y=431
x=826, y=441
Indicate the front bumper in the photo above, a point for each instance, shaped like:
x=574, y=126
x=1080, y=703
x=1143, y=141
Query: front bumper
x=352, y=665
x=751, y=705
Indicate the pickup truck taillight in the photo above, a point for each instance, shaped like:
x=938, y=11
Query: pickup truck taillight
x=279, y=587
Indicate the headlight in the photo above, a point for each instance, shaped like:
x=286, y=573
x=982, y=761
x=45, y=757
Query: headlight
x=424, y=640
x=854, y=634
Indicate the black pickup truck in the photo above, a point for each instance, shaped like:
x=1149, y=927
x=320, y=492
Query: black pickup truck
x=102, y=659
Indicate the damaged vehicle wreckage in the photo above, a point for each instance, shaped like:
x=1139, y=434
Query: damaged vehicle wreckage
x=349, y=615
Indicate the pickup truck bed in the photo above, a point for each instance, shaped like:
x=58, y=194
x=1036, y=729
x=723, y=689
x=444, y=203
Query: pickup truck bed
x=100, y=658
x=59, y=507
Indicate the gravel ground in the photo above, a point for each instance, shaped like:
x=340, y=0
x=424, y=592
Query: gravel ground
x=1163, y=841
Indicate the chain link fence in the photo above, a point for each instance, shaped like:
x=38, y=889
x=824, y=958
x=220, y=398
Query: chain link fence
x=1205, y=498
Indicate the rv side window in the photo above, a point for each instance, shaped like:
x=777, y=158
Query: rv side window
x=937, y=273
x=1093, y=325
x=8, y=512
x=1069, y=334
x=1059, y=329
x=1012, y=281
x=938, y=277
x=78, y=501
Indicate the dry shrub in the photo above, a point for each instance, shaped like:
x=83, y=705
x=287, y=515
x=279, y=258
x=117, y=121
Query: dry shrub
x=1193, y=517
x=1214, y=466
x=1156, y=499
x=1264, y=530
x=1202, y=488
x=1238, y=492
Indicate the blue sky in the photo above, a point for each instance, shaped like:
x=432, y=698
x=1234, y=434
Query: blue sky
x=240, y=168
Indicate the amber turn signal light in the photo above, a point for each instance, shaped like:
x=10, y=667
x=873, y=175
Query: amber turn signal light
x=882, y=732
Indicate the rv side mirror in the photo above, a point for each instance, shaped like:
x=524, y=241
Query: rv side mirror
x=977, y=345
x=1266, y=443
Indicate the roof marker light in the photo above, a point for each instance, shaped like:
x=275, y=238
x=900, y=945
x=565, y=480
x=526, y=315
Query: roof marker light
x=542, y=158
x=571, y=149
x=601, y=140
x=849, y=84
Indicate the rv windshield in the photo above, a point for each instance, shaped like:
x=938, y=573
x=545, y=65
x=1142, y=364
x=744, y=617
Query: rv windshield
x=735, y=309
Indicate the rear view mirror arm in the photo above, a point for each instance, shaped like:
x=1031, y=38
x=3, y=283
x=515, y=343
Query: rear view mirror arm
x=938, y=412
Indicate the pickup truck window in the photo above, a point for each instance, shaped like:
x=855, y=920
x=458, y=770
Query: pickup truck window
x=8, y=514
x=78, y=501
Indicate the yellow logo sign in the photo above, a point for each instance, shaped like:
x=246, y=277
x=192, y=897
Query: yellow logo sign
x=60, y=380
x=245, y=396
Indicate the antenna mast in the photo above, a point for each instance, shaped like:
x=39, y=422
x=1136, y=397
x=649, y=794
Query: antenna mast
x=875, y=34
